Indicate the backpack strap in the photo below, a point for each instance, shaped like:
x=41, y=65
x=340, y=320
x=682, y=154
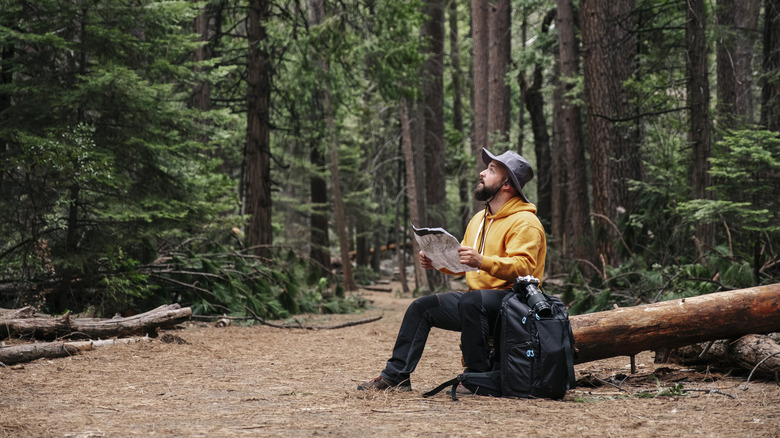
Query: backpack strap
x=452, y=382
x=569, y=349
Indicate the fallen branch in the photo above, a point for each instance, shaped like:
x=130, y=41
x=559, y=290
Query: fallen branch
x=710, y=391
x=330, y=327
x=50, y=350
x=756, y=367
x=378, y=289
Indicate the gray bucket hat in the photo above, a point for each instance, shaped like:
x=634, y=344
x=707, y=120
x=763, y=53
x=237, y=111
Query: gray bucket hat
x=520, y=172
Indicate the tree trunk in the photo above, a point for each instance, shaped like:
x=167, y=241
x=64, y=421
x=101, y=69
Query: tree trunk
x=317, y=16
x=560, y=176
x=534, y=102
x=258, y=142
x=608, y=53
x=319, y=250
x=399, y=217
x=435, y=154
x=676, y=323
x=201, y=93
x=770, y=87
x=91, y=328
x=464, y=178
x=411, y=190
x=737, y=22
x=577, y=232
x=698, y=92
x=338, y=200
x=480, y=101
x=499, y=55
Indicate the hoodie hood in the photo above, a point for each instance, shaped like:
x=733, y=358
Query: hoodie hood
x=514, y=205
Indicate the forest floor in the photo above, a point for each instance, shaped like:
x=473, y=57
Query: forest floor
x=265, y=381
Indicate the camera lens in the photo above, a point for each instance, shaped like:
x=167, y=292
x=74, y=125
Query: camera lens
x=533, y=296
x=539, y=304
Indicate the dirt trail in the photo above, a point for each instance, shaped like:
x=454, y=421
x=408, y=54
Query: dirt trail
x=264, y=381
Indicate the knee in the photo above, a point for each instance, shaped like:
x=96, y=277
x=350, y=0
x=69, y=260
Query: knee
x=422, y=305
x=470, y=302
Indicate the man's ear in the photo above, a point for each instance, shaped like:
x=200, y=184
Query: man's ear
x=508, y=187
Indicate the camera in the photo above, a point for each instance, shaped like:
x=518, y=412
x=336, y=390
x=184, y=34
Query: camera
x=528, y=287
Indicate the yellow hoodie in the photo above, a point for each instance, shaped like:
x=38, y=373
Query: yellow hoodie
x=515, y=245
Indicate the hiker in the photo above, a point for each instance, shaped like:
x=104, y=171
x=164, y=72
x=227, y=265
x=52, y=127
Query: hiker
x=506, y=241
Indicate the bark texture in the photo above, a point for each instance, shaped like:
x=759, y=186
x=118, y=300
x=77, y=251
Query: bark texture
x=577, y=238
x=698, y=88
x=770, y=88
x=257, y=202
x=609, y=51
x=435, y=152
x=91, y=328
x=737, y=22
x=676, y=323
x=499, y=52
x=759, y=354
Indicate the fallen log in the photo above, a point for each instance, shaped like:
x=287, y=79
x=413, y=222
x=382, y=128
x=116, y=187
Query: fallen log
x=24, y=312
x=670, y=324
x=50, y=350
x=92, y=328
x=758, y=354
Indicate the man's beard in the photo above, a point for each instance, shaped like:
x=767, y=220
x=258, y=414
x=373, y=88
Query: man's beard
x=484, y=192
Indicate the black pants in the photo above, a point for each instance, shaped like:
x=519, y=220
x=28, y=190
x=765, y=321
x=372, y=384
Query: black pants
x=473, y=314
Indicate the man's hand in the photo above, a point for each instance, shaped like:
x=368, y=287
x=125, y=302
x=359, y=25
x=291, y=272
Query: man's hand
x=425, y=261
x=470, y=256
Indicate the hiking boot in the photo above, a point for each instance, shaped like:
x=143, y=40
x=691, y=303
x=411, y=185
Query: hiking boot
x=381, y=384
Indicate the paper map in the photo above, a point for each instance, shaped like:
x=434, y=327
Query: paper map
x=441, y=247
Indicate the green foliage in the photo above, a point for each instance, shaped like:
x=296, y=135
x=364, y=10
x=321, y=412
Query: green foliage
x=664, y=262
x=214, y=278
x=745, y=167
x=364, y=275
x=102, y=161
x=394, y=51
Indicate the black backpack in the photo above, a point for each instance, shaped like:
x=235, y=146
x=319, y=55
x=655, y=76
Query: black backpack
x=535, y=353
